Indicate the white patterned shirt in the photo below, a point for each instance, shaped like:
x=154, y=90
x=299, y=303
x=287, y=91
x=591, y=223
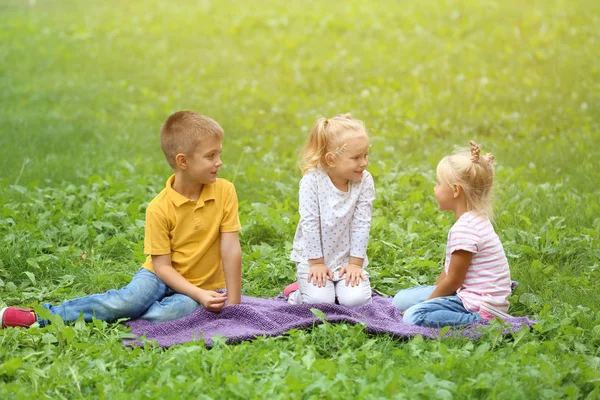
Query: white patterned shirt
x=488, y=275
x=333, y=224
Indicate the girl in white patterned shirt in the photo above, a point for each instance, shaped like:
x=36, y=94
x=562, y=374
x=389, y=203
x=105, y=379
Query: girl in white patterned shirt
x=335, y=203
x=475, y=281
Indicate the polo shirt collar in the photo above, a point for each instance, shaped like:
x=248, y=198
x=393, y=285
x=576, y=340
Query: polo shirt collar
x=208, y=193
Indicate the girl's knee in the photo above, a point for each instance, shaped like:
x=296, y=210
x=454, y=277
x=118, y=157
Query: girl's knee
x=402, y=301
x=320, y=296
x=413, y=316
x=407, y=298
x=354, y=300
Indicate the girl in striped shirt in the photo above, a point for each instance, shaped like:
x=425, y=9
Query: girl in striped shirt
x=475, y=281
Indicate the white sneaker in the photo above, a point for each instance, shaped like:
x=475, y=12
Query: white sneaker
x=294, y=297
x=488, y=311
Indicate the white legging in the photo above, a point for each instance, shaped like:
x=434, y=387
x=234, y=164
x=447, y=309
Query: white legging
x=346, y=295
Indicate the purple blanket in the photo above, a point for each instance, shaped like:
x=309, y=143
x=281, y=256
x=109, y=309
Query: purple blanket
x=274, y=316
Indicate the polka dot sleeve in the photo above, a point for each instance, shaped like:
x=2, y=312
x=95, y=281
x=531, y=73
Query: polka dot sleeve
x=310, y=216
x=361, y=220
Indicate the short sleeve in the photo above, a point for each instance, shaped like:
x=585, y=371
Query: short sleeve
x=231, y=219
x=465, y=238
x=156, y=234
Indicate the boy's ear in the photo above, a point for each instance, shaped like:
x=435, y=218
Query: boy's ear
x=181, y=161
x=330, y=160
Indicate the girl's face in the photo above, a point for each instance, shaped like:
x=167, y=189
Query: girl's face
x=444, y=194
x=353, y=160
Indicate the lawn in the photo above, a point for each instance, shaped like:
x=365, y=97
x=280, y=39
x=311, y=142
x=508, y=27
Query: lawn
x=84, y=87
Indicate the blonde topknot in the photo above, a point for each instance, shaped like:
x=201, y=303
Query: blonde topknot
x=476, y=152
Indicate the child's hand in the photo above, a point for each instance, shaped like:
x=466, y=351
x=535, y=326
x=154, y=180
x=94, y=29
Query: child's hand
x=318, y=274
x=211, y=300
x=354, y=274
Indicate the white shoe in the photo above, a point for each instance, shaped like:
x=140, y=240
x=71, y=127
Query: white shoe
x=492, y=312
x=293, y=297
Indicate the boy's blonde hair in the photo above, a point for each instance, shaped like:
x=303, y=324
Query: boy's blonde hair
x=474, y=173
x=183, y=131
x=327, y=136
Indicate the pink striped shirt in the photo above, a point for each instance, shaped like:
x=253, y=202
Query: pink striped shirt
x=488, y=276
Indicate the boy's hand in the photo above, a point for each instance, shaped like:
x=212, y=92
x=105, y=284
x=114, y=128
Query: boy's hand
x=211, y=300
x=318, y=274
x=354, y=274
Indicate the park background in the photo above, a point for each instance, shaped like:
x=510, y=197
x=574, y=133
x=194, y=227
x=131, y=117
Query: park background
x=85, y=86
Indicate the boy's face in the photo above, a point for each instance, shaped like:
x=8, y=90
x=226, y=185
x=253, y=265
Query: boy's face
x=205, y=161
x=354, y=159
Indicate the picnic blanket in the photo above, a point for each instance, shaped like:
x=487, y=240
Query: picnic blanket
x=256, y=317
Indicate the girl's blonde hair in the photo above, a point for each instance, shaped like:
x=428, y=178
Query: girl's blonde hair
x=474, y=173
x=327, y=136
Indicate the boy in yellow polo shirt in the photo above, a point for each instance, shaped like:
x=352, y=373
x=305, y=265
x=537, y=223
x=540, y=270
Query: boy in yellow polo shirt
x=191, y=239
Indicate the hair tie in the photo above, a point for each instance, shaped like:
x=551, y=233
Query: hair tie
x=475, y=151
x=325, y=123
x=489, y=158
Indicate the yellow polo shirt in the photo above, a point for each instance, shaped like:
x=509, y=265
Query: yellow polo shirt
x=190, y=232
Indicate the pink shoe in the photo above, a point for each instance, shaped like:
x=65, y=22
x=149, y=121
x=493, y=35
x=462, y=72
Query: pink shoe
x=14, y=317
x=292, y=287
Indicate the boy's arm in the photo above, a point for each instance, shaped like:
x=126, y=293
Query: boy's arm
x=459, y=264
x=210, y=300
x=231, y=254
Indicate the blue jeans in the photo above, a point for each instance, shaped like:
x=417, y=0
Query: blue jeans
x=434, y=313
x=145, y=297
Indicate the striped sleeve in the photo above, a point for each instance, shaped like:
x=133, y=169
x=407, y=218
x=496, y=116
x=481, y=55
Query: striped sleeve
x=464, y=237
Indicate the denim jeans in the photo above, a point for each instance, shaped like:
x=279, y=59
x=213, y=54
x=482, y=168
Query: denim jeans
x=434, y=313
x=146, y=297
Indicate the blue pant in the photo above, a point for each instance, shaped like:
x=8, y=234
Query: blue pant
x=145, y=297
x=434, y=313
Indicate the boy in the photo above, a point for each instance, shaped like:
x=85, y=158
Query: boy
x=191, y=239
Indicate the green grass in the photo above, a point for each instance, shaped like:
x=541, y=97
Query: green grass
x=85, y=86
